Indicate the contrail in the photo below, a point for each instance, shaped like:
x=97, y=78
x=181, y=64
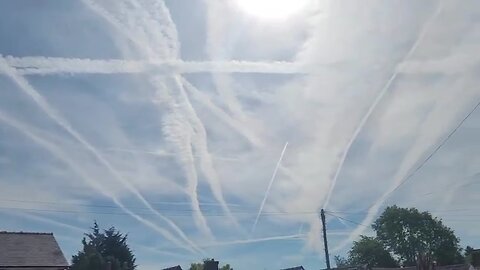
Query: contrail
x=25, y=86
x=122, y=28
x=28, y=89
x=200, y=146
x=419, y=148
x=249, y=241
x=158, y=11
x=217, y=27
x=165, y=153
x=58, y=153
x=39, y=65
x=267, y=192
x=199, y=137
x=157, y=250
x=377, y=100
x=227, y=119
x=172, y=126
x=169, y=35
x=176, y=132
x=46, y=220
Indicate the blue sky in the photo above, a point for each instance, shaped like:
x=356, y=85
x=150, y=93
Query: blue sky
x=167, y=120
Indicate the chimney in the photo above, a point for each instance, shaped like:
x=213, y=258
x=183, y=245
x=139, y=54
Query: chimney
x=211, y=265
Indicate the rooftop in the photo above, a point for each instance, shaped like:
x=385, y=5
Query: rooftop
x=32, y=249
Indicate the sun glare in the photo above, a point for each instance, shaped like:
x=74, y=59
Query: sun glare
x=272, y=9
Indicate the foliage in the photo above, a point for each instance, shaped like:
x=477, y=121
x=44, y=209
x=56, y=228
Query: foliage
x=196, y=266
x=370, y=252
x=476, y=259
x=226, y=267
x=415, y=236
x=472, y=256
x=468, y=251
x=341, y=262
x=102, y=248
x=200, y=266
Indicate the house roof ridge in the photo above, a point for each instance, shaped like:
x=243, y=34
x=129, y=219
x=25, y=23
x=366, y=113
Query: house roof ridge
x=22, y=232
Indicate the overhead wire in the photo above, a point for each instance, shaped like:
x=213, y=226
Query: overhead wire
x=348, y=220
x=442, y=143
x=167, y=212
x=186, y=212
x=436, y=211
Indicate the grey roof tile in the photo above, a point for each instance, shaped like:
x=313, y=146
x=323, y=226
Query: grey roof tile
x=30, y=249
x=295, y=268
x=174, y=268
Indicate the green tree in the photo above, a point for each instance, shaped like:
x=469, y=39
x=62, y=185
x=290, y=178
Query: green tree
x=102, y=248
x=472, y=256
x=226, y=267
x=200, y=266
x=341, y=262
x=468, y=251
x=196, y=266
x=370, y=252
x=417, y=237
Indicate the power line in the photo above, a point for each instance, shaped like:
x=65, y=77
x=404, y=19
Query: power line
x=442, y=143
x=171, y=212
x=435, y=150
x=453, y=186
x=188, y=212
x=348, y=220
x=362, y=212
x=238, y=210
x=105, y=206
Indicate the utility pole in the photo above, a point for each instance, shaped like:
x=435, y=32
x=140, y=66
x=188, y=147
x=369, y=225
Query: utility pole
x=325, y=243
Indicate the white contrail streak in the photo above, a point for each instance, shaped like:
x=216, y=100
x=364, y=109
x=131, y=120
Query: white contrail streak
x=200, y=147
x=38, y=65
x=162, y=153
x=28, y=89
x=126, y=29
x=219, y=39
x=141, y=16
x=44, y=220
x=178, y=134
x=377, y=100
x=267, y=192
x=133, y=23
x=61, y=155
x=250, y=241
x=199, y=135
x=222, y=115
x=431, y=130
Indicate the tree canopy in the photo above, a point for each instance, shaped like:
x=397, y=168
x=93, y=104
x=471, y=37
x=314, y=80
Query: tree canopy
x=408, y=237
x=472, y=256
x=412, y=236
x=370, y=252
x=200, y=265
x=102, y=248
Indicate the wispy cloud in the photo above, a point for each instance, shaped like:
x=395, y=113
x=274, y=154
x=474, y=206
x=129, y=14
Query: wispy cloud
x=431, y=133
x=176, y=126
x=377, y=100
x=192, y=126
x=361, y=91
x=235, y=124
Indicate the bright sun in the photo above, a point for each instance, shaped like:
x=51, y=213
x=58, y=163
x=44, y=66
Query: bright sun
x=272, y=9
